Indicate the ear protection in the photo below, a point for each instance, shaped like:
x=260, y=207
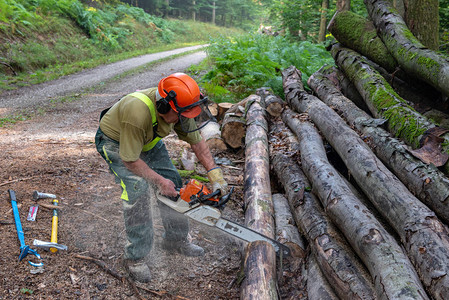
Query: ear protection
x=163, y=105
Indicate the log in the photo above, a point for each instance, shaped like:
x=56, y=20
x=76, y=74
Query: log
x=423, y=236
x=286, y=230
x=403, y=121
x=260, y=257
x=223, y=107
x=213, y=108
x=344, y=85
x=339, y=264
x=318, y=288
x=413, y=57
x=425, y=181
x=233, y=130
x=359, y=34
x=388, y=265
x=272, y=103
x=212, y=135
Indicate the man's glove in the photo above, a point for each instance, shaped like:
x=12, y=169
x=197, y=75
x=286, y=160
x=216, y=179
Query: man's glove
x=215, y=176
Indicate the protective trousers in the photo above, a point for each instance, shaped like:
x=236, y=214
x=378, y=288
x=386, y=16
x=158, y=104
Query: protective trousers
x=136, y=193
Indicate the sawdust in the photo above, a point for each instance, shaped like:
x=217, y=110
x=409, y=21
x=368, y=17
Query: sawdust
x=54, y=152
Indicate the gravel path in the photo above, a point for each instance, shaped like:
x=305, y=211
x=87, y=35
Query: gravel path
x=33, y=96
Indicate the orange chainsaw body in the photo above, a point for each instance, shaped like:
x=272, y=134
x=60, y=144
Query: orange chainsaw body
x=196, y=189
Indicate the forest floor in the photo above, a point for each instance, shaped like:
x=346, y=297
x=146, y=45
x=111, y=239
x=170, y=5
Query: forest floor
x=54, y=152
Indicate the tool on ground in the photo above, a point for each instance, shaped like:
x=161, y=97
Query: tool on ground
x=54, y=226
x=48, y=245
x=32, y=213
x=54, y=220
x=38, y=195
x=24, y=249
x=197, y=202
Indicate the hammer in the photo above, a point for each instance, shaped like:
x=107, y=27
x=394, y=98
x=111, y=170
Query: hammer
x=54, y=224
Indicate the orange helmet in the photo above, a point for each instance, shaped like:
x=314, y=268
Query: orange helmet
x=187, y=93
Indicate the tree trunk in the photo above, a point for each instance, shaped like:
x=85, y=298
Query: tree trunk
x=425, y=181
x=233, y=130
x=411, y=55
x=318, y=288
x=286, y=231
x=338, y=263
x=382, y=100
x=323, y=21
x=359, y=34
x=424, y=237
x=212, y=135
x=213, y=12
x=274, y=105
x=260, y=256
x=343, y=5
x=194, y=10
x=388, y=265
x=421, y=17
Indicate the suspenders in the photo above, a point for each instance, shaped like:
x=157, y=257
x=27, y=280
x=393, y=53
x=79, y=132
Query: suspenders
x=145, y=99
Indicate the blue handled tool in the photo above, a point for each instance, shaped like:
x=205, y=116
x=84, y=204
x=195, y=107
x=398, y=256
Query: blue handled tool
x=24, y=249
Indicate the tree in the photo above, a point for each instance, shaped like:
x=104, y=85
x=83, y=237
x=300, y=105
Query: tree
x=323, y=21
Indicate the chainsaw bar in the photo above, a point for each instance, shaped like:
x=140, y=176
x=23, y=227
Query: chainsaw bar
x=249, y=235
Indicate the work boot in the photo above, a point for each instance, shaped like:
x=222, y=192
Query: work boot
x=183, y=247
x=139, y=270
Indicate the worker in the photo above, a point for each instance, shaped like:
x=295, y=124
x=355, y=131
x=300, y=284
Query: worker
x=129, y=140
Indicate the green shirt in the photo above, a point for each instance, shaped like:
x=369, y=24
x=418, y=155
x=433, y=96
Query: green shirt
x=129, y=122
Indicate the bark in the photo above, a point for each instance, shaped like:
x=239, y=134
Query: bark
x=359, y=34
x=423, y=236
x=382, y=100
x=233, y=130
x=388, y=265
x=344, y=85
x=260, y=272
x=193, y=10
x=413, y=57
x=212, y=135
x=286, y=230
x=425, y=181
x=318, y=288
x=260, y=257
x=421, y=17
x=335, y=258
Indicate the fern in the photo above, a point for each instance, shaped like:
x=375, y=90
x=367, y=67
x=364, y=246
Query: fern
x=248, y=62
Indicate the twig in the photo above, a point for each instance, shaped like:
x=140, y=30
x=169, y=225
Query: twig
x=90, y=213
x=9, y=66
x=102, y=264
x=15, y=180
x=4, y=222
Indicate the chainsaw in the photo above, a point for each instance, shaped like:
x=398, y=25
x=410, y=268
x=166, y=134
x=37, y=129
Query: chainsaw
x=197, y=202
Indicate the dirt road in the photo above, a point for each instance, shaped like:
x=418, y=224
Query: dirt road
x=54, y=152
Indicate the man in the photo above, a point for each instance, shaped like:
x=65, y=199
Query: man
x=129, y=139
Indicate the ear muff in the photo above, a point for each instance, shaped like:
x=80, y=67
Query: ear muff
x=163, y=106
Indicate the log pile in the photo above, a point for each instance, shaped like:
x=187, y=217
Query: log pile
x=374, y=223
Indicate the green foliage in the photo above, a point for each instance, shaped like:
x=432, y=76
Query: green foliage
x=243, y=64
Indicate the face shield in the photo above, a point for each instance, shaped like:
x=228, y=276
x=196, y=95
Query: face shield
x=202, y=104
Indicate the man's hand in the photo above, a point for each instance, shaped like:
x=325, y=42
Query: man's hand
x=166, y=187
x=215, y=176
x=140, y=168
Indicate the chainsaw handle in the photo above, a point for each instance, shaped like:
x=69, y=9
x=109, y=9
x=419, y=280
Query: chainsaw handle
x=225, y=198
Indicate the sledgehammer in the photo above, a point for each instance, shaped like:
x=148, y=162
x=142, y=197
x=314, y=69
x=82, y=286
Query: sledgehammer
x=54, y=224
